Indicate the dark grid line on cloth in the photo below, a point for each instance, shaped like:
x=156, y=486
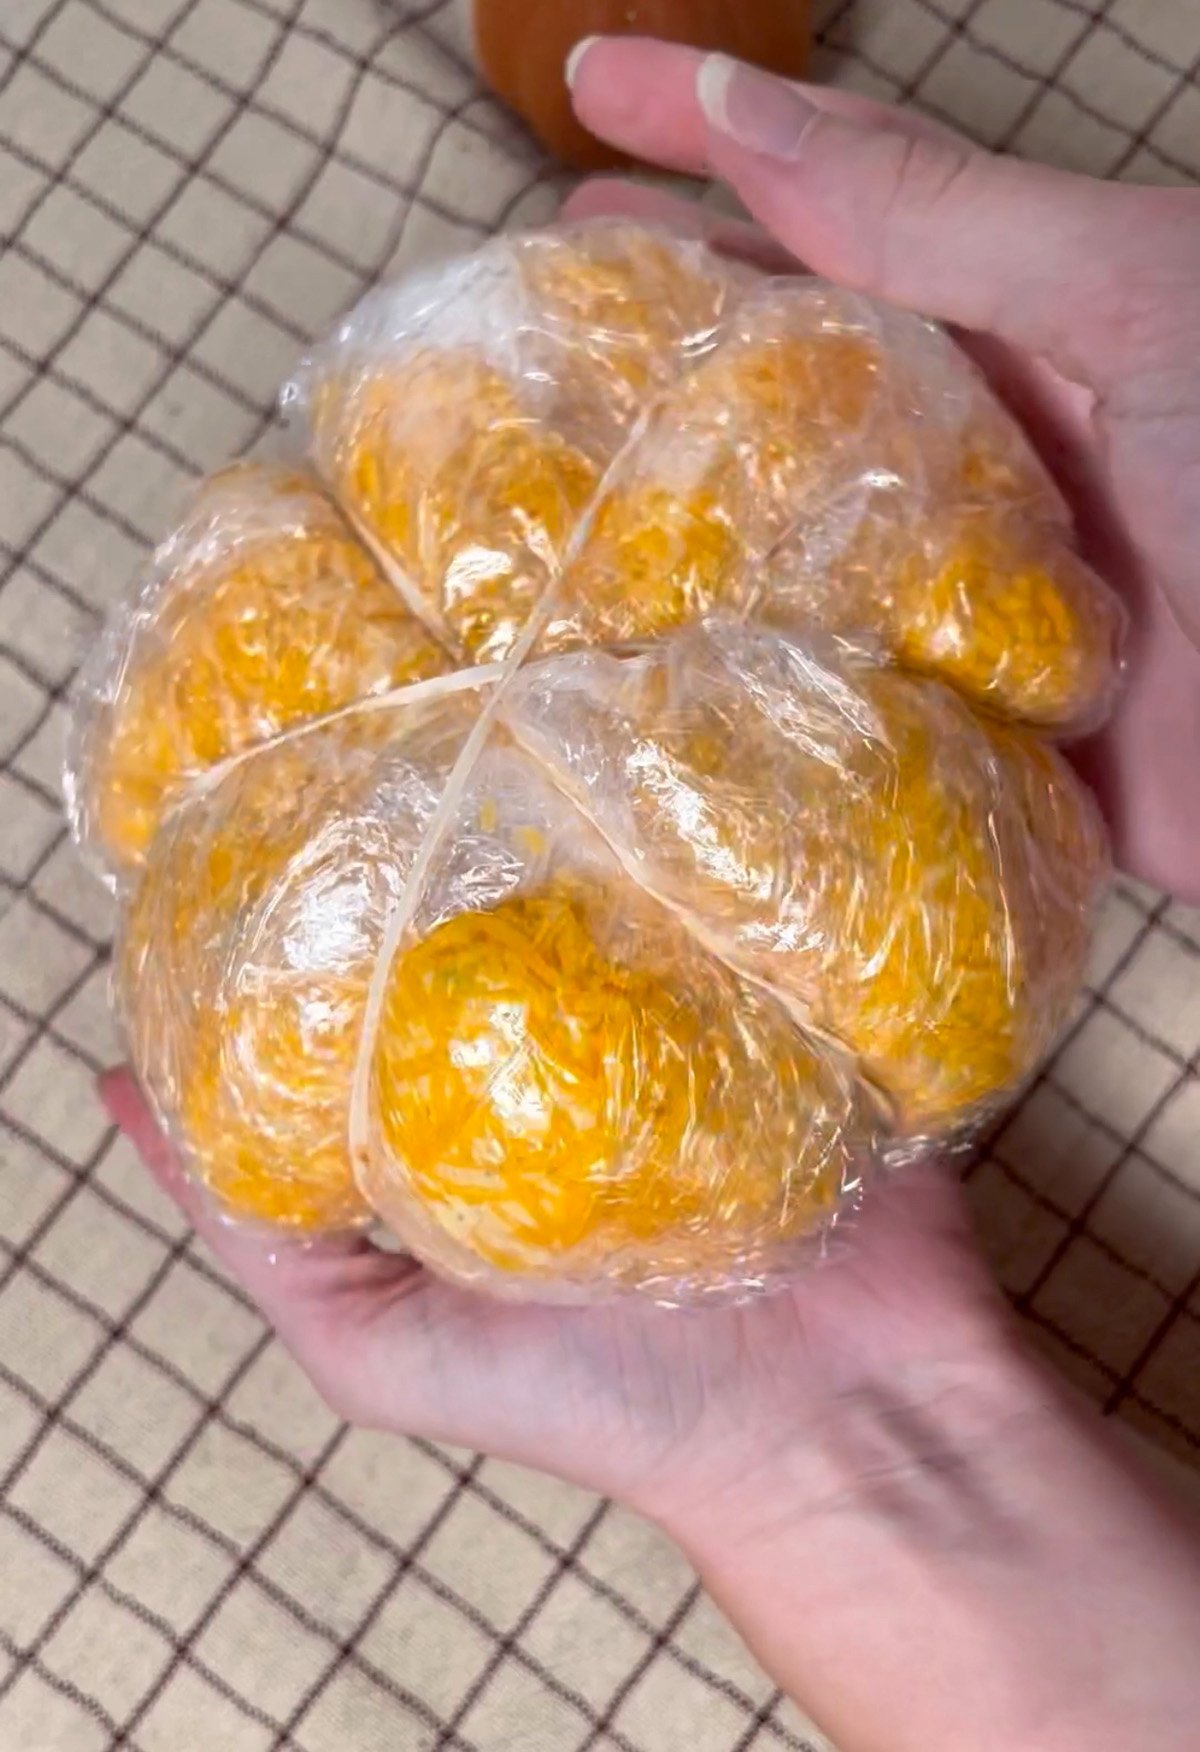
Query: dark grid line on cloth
x=52, y=1417
x=177, y=354
x=595, y=1584
x=1005, y=59
x=206, y=174
x=173, y=356
x=1045, y=1202
x=320, y=142
x=504, y=1647
x=212, y=1409
x=904, y=91
x=63, y=1686
x=1078, y=1222
x=118, y=1596
x=103, y=111
x=1090, y=17
x=662, y=1639
x=86, y=1173
x=1141, y=139
x=1178, y=1308
x=21, y=52
x=1088, y=1008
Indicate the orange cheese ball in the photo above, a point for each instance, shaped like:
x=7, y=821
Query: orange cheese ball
x=248, y=950
x=468, y=498
x=918, y=886
x=265, y=612
x=567, y=1089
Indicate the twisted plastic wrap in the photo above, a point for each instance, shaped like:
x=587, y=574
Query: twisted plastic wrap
x=262, y=611
x=742, y=867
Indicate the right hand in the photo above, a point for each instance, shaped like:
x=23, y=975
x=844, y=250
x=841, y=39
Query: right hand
x=1081, y=301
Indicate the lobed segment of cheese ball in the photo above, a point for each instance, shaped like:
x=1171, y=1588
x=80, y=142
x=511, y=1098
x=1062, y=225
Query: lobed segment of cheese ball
x=918, y=885
x=260, y=613
x=831, y=464
x=247, y=952
x=569, y=1095
x=468, y=498
x=465, y=421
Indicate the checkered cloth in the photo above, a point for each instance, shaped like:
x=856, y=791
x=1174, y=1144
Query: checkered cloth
x=194, y=1554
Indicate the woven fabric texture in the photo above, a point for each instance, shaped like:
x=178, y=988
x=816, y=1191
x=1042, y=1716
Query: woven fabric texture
x=194, y=1554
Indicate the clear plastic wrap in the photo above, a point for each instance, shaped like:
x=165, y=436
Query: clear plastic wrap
x=834, y=464
x=919, y=885
x=564, y=1092
x=465, y=418
x=262, y=611
x=248, y=947
x=615, y=965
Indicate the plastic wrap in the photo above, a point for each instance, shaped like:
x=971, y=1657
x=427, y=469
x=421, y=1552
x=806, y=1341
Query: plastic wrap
x=566, y=1093
x=833, y=464
x=247, y=952
x=465, y=418
x=260, y=612
x=740, y=871
x=918, y=885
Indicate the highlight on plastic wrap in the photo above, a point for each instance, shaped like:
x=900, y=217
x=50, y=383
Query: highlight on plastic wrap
x=262, y=611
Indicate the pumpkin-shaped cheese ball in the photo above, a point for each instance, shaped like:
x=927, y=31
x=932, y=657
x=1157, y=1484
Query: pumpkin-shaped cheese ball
x=248, y=949
x=919, y=886
x=568, y=1094
x=260, y=613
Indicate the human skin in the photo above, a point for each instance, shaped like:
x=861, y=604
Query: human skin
x=920, y=1534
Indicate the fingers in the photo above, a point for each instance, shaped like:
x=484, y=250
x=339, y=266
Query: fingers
x=875, y=200
x=640, y=95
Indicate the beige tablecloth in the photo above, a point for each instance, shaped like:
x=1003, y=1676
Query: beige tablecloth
x=193, y=1554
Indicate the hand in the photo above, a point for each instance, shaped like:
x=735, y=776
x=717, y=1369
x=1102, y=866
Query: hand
x=1080, y=300
x=629, y=1400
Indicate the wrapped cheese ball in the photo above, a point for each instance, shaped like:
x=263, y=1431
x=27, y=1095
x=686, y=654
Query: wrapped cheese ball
x=918, y=885
x=464, y=419
x=835, y=464
x=247, y=952
x=617, y=964
x=261, y=612
x=565, y=1095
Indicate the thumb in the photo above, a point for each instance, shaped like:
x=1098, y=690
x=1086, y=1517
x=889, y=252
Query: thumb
x=923, y=219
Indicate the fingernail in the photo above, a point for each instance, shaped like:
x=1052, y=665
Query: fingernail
x=758, y=111
x=571, y=70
